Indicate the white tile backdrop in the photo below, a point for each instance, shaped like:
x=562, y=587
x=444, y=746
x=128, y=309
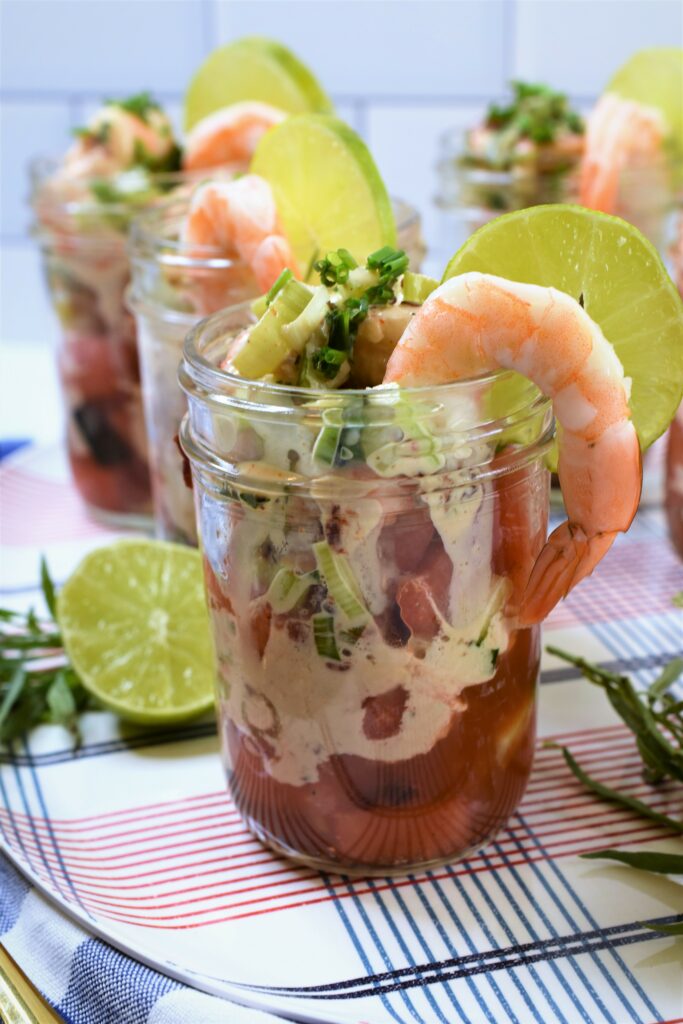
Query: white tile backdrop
x=400, y=71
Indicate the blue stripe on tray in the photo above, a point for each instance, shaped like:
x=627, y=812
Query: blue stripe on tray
x=571, y=921
x=551, y=866
x=360, y=949
x=464, y=933
x=391, y=921
x=501, y=915
x=48, y=823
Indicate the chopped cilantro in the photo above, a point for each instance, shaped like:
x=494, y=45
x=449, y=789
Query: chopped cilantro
x=140, y=105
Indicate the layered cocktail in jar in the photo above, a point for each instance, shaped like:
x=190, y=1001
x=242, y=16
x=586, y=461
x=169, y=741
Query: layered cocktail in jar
x=124, y=160
x=366, y=550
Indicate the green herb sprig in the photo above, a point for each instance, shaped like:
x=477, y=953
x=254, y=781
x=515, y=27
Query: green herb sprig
x=655, y=718
x=36, y=682
x=342, y=320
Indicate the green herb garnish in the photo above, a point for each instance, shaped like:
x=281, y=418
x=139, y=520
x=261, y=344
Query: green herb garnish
x=36, y=682
x=335, y=267
x=140, y=104
x=653, y=716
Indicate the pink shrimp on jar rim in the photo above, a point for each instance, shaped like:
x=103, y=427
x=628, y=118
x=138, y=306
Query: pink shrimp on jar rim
x=476, y=323
x=229, y=136
x=239, y=218
x=621, y=133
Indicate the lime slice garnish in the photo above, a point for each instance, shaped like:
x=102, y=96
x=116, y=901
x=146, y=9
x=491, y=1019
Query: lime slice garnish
x=328, y=191
x=253, y=68
x=655, y=77
x=621, y=280
x=136, y=630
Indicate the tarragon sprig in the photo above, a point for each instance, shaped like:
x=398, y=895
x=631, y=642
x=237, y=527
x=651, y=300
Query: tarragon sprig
x=37, y=684
x=655, y=717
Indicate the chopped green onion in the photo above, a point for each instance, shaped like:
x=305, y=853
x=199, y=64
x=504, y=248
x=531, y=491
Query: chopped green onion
x=309, y=320
x=335, y=267
x=327, y=361
x=388, y=262
x=325, y=640
x=341, y=583
x=266, y=346
x=279, y=283
x=259, y=306
x=287, y=588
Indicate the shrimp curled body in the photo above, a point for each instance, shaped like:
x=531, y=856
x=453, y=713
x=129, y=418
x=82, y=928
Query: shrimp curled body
x=477, y=323
x=239, y=219
x=620, y=134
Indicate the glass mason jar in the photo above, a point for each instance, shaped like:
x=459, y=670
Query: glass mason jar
x=83, y=246
x=170, y=292
x=471, y=194
x=364, y=554
x=673, y=492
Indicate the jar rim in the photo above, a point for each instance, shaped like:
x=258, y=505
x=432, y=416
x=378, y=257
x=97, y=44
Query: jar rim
x=200, y=371
x=148, y=240
x=42, y=167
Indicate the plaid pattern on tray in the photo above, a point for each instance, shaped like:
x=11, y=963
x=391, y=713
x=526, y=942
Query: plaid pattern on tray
x=137, y=843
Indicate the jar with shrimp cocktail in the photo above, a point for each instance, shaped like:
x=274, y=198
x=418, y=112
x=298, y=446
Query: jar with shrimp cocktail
x=365, y=555
x=171, y=290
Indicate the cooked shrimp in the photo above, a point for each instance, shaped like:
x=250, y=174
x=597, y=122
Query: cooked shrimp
x=477, y=323
x=239, y=219
x=116, y=138
x=228, y=137
x=619, y=133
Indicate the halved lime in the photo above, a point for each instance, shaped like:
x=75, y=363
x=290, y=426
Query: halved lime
x=621, y=280
x=253, y=68
x=135, y=627
x=655, y=77
x=328, y=191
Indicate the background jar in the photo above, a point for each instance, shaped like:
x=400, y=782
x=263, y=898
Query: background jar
x=83, y=247
x=470, y=194
x=394, y=728
x=169, y=294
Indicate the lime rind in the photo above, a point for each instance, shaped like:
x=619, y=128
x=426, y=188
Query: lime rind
x=253, y=68
x=328, y=190
x=135, y=627
x=623, y=284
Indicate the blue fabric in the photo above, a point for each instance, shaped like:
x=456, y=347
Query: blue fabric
x=13, y=890
x=90, y=982
x=12, y=445
x=121, y=988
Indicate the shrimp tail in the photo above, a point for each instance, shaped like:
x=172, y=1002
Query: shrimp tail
x=567, y=558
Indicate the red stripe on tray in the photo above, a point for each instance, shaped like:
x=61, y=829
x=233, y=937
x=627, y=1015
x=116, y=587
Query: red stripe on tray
x=644, y=578
x=247, y=880
x=355, y=889
x=39, y=510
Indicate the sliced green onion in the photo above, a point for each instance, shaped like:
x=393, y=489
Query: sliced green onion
x=417, y=287
x=325, y=640
x=309, y=320
x=287, y=588
x=341, y=583
x=278, y=284
x=335, y=267
x=259, y=306
x=266, y=347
